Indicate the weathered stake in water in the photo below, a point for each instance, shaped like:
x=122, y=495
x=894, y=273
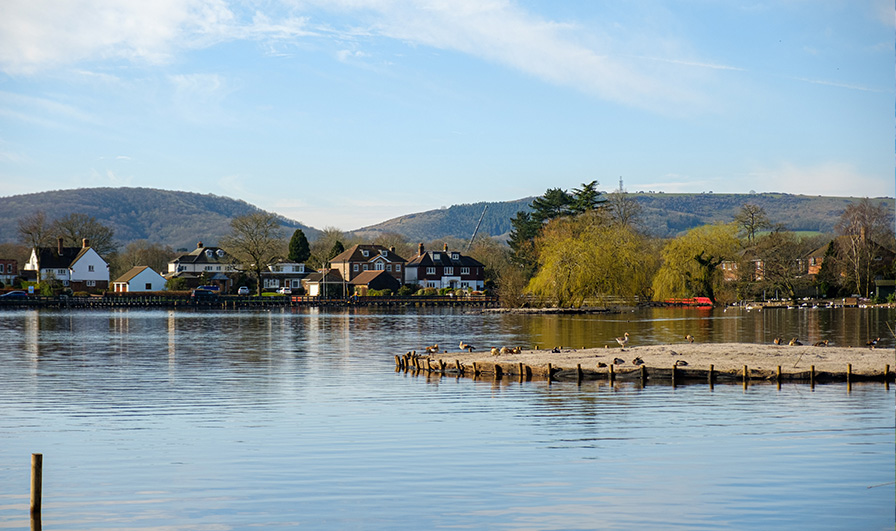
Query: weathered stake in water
x=37, y=469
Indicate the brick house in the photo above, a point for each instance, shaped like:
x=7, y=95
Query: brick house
x=213, y=261
x=360, y=258
x=9, y=270
x=445, y=269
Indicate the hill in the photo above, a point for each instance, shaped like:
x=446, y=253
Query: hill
x=178, y=219
x=663, y=215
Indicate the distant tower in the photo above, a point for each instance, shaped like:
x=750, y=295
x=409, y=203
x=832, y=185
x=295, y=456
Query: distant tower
x=620, y=183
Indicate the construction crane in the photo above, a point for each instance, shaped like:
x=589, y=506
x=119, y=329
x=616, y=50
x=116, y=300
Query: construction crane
x=473, y=237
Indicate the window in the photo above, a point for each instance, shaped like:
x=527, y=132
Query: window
x=398, y=267
x=430, y=271
x=366, y=267
x=208, y=268
x=90, y=268
x=449, y=270
x=91, y=283
x=356, y=267
x=465, y=271
x=383, y=252
x=9, y=268
x=380, y=266
x=364, y=253
x=148, y=286
x=60, y=271
x=455, y=256
x=435, y=256
x=388, y=267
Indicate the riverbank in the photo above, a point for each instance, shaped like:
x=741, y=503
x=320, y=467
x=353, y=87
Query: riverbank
x=721, y=361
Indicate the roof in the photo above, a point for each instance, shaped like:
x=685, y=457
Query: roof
x=133, y=272
x=332, y=276
x=443, y=258
x=203, y=255
x=50, y=258
x=366, y=277
x=356, y=254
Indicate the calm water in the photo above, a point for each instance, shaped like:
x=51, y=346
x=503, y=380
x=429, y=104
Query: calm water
x=216, y=421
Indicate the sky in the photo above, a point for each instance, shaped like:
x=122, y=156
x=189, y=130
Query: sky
x=346, y=113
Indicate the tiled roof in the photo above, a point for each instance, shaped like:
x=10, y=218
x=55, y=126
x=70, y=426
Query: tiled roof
x=355, y=254
x=133, y=272
x=443, y=258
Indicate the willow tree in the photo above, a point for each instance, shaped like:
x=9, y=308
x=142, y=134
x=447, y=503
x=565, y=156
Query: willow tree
x=586, y=258
x=255, y=241
x=690, y=263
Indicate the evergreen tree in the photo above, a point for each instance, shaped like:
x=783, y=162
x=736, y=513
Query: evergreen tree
x=555, y=203
x=586, y=198
x=336, y=250
x=299, y=250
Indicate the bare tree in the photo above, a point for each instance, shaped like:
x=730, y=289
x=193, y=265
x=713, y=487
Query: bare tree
x=255, y=242
x=865, y=230
x=76, y=227
x=624, y=209
x=34, y=230
x=142, y=253
x=752, y=219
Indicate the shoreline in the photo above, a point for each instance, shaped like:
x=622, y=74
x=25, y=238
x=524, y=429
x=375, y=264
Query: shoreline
x=718, y=361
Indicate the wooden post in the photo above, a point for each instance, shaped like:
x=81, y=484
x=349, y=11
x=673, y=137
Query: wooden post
x=812, y=375
x=498, y=372
x=779, y=373
x=711, y=375
x=460, y=368
x=475, y=370
x=673, y=374
x=579, y=373
x=643, y=374
x=37, y=470
x=397, y=362
x=746, y=374
x=549, y=373
x=612, y=374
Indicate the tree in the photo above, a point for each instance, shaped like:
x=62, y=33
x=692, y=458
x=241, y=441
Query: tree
x=555, y=203
x=780, y=254
x=522, y=239
x=34, y=230
x=142, y=253
x=624, y=209
x=323, y=244
x=864, y=229
x=586, y=198
x=76, y=227
x=254, y=243
x=584, y=258
x=299, y=250
x=690, y=262
x=752, y=218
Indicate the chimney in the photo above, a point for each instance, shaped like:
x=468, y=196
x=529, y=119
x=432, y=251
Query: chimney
x=59, y=245
x=85, y=243
x=420, y=249
x=199, y=245
x=392, y=249
x=446, y=247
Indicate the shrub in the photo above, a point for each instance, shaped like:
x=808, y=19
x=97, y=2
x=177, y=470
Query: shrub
x=407, y=290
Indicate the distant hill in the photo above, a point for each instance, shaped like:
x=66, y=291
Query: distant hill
x=663, y=215
x=178, y=219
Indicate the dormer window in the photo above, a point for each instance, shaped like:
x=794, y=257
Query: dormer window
x=209, y=253
x=383, y=252
x=435, y=256
x=365, y=253
x=455, y=256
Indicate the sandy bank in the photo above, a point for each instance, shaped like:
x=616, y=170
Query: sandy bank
x=694, y=360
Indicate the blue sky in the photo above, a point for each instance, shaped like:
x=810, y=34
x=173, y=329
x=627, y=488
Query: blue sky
x=344, y=113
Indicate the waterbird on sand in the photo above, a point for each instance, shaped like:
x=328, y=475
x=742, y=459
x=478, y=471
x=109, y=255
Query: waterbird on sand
x=680, y=363
x=495, y=351
x=821, y=343
x=795, y=342
x=690, y=338
x=638, y=361
x=601, y=364
x=872, y=343
x=622, y=340
x=618, y=361
x=779, y=340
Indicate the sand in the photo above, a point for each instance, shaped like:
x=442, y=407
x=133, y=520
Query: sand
x=697, y=356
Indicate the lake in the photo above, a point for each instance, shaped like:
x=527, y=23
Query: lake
x=196, y=420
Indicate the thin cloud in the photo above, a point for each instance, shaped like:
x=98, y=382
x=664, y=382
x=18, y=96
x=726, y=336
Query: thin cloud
x=839, y=85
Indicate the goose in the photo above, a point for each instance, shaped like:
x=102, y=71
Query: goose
x=872, y=343
x=795, y=342
x=601, y=364
x=690, y=338
x=821, y=343
x=680, y=363
x=618, y=361
x=779, y=340
x=495, y=351
x=622, y=340
x=638, y=361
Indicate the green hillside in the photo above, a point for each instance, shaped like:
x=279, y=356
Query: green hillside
x=178, y=219
x=663, y=215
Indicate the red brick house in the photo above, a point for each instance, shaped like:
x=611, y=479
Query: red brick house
x=361, y=258
x=445, y=269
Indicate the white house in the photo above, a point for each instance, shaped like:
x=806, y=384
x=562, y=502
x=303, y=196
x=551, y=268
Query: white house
x=79, y=268
x=284, y=275
x=139, y=278
x=214, y=262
